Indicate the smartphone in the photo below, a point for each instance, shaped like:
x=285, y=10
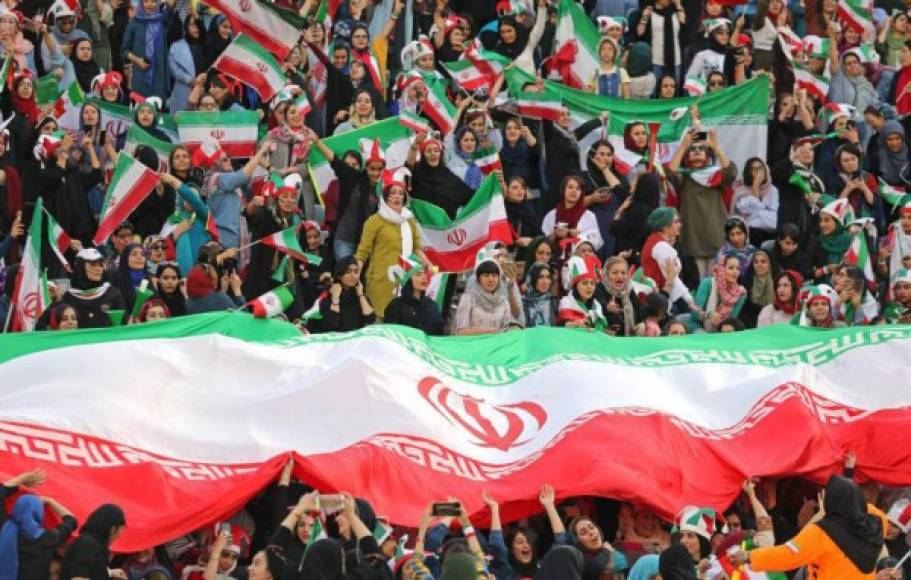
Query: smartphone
x=700, y=135
x=224, y=529
x=331, y=503
x=447, y=509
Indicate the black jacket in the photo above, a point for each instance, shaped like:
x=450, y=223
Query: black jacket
x=421, y=313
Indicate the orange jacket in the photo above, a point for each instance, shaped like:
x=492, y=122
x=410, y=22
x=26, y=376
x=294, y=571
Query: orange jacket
x=813, y=548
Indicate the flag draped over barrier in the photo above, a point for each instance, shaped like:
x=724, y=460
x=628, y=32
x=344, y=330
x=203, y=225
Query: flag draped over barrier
x=664, y=423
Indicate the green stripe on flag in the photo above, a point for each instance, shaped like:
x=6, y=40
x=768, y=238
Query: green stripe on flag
x=432, y=216
x=504, y=358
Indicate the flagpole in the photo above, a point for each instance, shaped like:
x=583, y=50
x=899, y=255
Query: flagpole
x=9, y=316
x=902, y=561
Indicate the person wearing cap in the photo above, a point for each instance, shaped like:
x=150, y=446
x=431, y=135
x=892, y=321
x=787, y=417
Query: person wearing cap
x=145, y=47
x=89, y=293
x=268, y=268
x=833, y=238
x=579, y=308
x=818, y=311
x=898, y=310
x=718, y=56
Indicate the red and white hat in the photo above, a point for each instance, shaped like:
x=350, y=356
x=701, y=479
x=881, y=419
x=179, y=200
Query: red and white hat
x=586, y=268
x=841, y=210
x=407, y=79
x=393, y=177
x=372, y=151
x=47, y=145
x=704, y=522
x=207, y=154
x=63, y=8
x=20, y=18
x=105, y=80
x=900, y=515
x=415, y=50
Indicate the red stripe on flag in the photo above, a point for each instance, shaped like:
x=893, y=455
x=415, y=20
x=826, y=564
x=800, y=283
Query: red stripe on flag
x=266, y=38
x=126, y=206
x=539, y=111
x=248, y=74
x=783, y=433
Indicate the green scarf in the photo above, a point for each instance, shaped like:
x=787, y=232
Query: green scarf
x=836, y=244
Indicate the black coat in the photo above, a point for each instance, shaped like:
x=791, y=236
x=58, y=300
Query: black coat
x=35, y=555
x=64, y=192
x=87, y=557
x=421, y=313
x=349, y=317
x=93, y=313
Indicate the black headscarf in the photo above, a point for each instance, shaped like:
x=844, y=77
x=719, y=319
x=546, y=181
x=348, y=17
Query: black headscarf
x=512, y=51
x=88, y=556
x=561, y=563
x=85, y=70
x=80, y=280
x=101, y=521
x=123, y=278
x=675, y=563
x=176, y=303
x=325, y=560
x=195, y=44
x=212, y=42
x=857, y=533
x=439, y=186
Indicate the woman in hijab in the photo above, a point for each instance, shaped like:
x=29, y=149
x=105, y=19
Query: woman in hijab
x=579, y=308
x=387, y=236
x=736, y=243
x=718, y=55
x=145, y=46
x=639, y=69
x=645, y=568
x=362, y=112
x=675, y=563
x=755, y=200
x=168, y=287
x=760, y=286
x=834, y=240
x=512, y=37
x=412, y=307
x=483, y=309
x=629, y=225
x=521, y=212
x=153, y=211
x=185, y=59
x=345, y=307
x=84, y=65
x=799, y=188
x=539, y=301
x=893, y=153
x=217, y=38
x=561, y=563
x=570, y=219
x=719, y=296
x=89, y=293
x=787, y=300
x=845, y=543
x=130, y=273
x=847, y=180
x=621, y=306
x=460, y=157
x=23, y=97
x=26, y=546
x=12, y=41
x=432, y=181
x=88, y=556
x=849, y=86
x=146, y=118
x=188, y=228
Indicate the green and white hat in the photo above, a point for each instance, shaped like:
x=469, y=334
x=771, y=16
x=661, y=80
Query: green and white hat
x=704, y=522
x=402, y=272
x=832, y=111
x=903, y=275
x=841, y=210
x=713, y=24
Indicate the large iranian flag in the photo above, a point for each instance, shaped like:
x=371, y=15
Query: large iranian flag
x=235, y=131
x=575, y=57
x=251, y=64
x=276, y=29
x=137, y=137
x=684, y=418
x=738, y=115
x=393, y=135
x=453, y=244
x=131, y=183
x=30, y=297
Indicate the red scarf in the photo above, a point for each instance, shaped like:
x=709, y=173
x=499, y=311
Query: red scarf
x=570, y=215
x=796, y=282
x=27, y=107
x=903, y=99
